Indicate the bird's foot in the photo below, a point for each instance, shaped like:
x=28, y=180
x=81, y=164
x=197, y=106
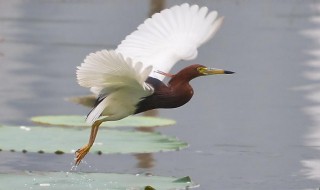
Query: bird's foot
x=81, y=153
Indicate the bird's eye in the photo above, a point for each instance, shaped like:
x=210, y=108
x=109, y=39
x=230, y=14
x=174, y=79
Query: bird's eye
x=202, y=70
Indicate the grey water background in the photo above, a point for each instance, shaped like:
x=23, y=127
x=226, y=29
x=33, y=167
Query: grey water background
x=257, y=129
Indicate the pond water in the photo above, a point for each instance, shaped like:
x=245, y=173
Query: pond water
x=257, y=129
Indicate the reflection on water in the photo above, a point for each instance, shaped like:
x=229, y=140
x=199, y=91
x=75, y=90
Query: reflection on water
x=146, y=160
x=312, y=169
x=312, y=166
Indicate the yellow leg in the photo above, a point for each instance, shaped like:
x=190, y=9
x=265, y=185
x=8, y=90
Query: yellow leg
x=82, y=152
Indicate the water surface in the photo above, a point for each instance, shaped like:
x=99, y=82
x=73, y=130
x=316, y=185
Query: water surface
x=258, y=129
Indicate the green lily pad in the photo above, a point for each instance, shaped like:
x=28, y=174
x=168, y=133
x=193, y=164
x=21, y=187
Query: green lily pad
x=70, y=181
x=66, y=140
x=78, y=120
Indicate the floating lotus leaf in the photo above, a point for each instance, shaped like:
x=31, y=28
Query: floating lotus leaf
x=77, y=120
x=70, y=181
x=66, y=140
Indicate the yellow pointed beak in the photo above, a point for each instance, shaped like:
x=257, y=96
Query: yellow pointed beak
x=214, y=71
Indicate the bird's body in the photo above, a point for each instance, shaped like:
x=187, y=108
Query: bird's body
x=165, y=96
x=128, y=80
x=177, y=93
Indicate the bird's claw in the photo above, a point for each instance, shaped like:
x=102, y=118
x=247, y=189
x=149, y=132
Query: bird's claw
x=81, y=153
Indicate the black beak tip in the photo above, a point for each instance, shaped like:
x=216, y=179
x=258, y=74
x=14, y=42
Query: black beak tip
x=228, y=72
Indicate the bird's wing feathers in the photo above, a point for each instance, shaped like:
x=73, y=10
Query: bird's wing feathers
x=169, y=36
x=108, y=74
x=107, y=70
x=118, y=77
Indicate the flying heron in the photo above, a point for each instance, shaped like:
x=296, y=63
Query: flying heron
x=129, y=79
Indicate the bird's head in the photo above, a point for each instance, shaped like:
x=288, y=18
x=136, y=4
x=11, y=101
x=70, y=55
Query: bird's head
x=197, y=70
x=202, y=71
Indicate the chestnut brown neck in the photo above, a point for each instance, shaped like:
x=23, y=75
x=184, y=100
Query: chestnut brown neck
x=177, y=93
x=185, y=75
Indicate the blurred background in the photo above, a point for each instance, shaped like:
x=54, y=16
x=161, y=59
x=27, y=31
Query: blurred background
x=257, y=129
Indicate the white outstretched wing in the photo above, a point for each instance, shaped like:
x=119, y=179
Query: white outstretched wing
x=110, y=70
x=169, y=36
x=107, y=73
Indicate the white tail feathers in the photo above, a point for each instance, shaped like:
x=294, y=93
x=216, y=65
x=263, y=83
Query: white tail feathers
x=96, y=111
